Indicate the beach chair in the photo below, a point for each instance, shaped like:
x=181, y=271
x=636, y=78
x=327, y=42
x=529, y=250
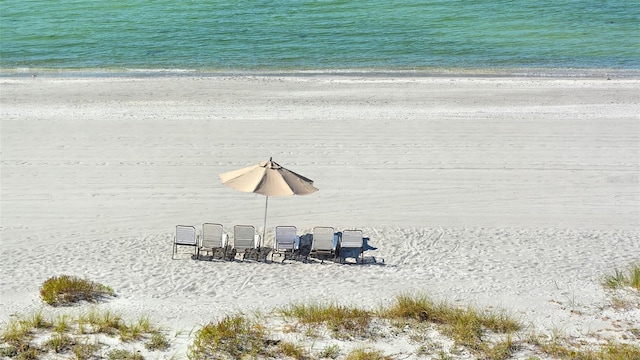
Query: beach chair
x=212, y=239
x=351, y=245
x=185, y=236
x=285, y=242
x=323, y=242
x=245, y=239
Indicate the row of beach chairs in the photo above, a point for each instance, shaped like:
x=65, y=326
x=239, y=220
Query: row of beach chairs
x=323, y=243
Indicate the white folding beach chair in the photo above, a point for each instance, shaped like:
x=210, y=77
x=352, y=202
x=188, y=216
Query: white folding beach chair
x=351, y=245
x=212, y=238
x=323, y=242
x=185, y=236
x=245, y=238
x=285, y=242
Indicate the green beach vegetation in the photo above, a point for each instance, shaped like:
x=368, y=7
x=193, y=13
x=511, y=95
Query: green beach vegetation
x=66, y=290
x=342, y=321
x=233, y=337
x=80, y=336
x=467, y=326
x=621, y=279
x=308, y=331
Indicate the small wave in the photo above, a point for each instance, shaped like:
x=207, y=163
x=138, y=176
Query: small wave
x=345, y=72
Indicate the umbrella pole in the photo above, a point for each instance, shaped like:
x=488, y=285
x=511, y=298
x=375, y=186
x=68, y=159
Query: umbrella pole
x=264, y=227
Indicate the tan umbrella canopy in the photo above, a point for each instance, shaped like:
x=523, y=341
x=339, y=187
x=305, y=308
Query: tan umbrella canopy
x=268, y=178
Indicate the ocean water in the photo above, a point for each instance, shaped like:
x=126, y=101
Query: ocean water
x=320, y=35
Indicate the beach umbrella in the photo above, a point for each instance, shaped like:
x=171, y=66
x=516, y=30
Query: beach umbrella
x=268, y=178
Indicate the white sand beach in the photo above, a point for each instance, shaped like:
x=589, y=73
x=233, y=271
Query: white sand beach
x=513, y=193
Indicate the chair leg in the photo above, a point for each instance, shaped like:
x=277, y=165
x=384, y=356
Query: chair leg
x=289, y=253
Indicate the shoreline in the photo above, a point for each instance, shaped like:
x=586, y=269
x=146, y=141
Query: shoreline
x=527, y=73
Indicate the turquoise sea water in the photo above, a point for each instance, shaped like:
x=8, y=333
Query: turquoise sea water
x=320, y=35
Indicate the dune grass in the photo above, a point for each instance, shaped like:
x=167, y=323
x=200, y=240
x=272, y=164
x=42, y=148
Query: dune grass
x=121, y=354
x=75, y=336
x=106, y=322
x=157, y=342
x=342, y=321
x=19, y=334
x=292, y=350
x=562, y=348
x=329, y=352
x=233, y=337
x=620, y=278
x=486, y=334
x=362, y=353
x=466, y=326
x=66, y=290
x=240, y=337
